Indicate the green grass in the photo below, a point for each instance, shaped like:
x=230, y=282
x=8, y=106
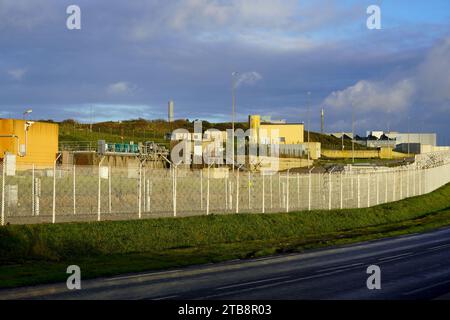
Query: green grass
x=35, y=254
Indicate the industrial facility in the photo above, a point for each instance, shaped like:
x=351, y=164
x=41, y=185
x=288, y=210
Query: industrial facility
x=29, y=142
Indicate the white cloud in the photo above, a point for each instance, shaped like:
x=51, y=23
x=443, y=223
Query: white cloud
x=371, y=96
x=17, y=74
x=433, y=77
x=248, y=78
x=25, y=14
x=119, y=88
x=428, y=85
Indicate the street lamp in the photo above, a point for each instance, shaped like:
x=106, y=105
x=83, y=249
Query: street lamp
x=233, y=109
x=27, y=112
x=27, y=125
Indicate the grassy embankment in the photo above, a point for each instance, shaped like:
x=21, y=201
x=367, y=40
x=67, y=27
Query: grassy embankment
x=41, y=253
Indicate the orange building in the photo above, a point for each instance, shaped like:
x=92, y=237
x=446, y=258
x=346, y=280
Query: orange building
x=31, y=142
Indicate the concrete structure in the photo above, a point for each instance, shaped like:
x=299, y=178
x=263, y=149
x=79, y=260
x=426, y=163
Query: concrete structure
x=171, y=111
x=301, y=150
x=382, y=153
x=276, y=133
x=418, y=148
x=376, y=134
x=31, y=142
x=322, y=122
x=422, y=138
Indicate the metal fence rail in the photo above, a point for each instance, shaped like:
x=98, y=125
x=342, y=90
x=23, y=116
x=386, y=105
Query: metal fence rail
x=96, y=193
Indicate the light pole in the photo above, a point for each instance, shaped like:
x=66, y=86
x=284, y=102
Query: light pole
x=353, y=132
x=233, y=109
x=27, y=125
x=408, y=138
x=309, y=128
x=26, y=113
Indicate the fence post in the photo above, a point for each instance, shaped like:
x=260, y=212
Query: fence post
x=309, y=192
x=378, y=188
x=144, y=189
x=32, y=190
x=3, y=192
x=408, y=171
x=298, y=190
x=74, y=187
x=207, y=194
x=140, y=192
x=99, y=196
x=226, y=193
x=230, y=194
x=414, y=181
x=249, y=191
x=237, y=190
x=201, y=189
x=368, y=190
x=174, y=192
x=110, y=190
x=420, y=182
x=149, y=192
x=279, y=190
x=359, y=190
x=54, y=194
x=394, y=188
x=401, y=184
x=386, y=188
x=263, y=194
x=287, y=191
x=330, y=185
x=342, y=190
x=271, y=191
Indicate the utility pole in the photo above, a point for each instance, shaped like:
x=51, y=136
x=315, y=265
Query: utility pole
x=353, y=132
x=233, y=110
x=309, y=128
x=408, y=138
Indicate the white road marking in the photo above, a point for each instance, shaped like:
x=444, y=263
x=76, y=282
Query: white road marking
x=396, y=256
x=271, y=285
x=164, y=298
x=251, y=282
x=439, y=247
x=142, y=275
x=426, y=288
x=340, y=267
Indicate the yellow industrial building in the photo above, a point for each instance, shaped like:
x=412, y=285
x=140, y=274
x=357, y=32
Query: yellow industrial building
x=31, y=142
x=276, y=133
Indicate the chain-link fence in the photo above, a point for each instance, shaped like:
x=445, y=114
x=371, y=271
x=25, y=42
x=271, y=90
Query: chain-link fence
x=32, y=194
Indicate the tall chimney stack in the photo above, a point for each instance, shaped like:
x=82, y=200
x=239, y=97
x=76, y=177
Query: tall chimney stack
x=322, y=116
x=171, y=111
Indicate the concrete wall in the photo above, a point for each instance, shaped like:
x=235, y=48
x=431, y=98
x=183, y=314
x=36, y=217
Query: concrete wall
x=423, y=138
x=42, y=145
x=382, y=153
x=299, y=150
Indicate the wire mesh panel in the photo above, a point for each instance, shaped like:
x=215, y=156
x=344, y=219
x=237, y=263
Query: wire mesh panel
x=63, y=193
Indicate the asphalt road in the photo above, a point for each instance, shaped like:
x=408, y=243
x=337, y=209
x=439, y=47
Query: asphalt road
x=412, y=267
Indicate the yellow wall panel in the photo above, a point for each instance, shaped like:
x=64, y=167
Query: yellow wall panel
x=42, y=144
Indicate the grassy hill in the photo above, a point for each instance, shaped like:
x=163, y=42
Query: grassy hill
x=141, y=130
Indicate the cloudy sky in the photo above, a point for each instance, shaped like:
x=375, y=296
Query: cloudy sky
x=131, y=57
